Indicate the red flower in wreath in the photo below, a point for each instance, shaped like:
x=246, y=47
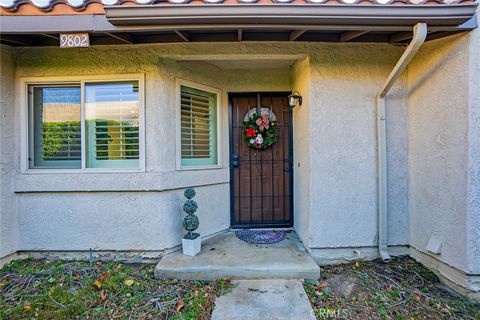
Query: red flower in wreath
x=250, y=132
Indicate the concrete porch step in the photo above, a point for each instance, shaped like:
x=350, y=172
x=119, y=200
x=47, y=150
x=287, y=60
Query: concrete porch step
x=227, y=256
x=264, y=299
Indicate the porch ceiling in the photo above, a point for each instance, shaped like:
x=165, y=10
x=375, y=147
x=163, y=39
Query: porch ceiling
x=162, y=23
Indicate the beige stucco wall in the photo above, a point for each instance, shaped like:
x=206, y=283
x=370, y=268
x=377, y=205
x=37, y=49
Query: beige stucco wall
x=438, y=126
x=473, y=197
x=345, y=81
x=443, y=136
x=132, y=211
x=334, y=134
x=301, y=150
x=8, y=211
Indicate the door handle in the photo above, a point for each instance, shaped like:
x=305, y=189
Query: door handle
x=235, y=160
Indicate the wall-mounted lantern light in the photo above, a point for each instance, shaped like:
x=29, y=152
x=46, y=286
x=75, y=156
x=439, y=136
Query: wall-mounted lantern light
x=293, y=98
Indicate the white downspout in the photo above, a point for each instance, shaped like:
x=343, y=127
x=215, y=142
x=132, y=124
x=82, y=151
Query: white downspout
x=419, y=35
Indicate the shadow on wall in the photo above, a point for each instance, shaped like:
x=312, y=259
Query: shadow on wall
x=436, y=55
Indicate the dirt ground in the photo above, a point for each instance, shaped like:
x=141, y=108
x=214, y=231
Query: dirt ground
x=401, y=289
x=45, y=289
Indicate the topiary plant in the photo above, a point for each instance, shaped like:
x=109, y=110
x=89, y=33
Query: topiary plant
x=190, y=222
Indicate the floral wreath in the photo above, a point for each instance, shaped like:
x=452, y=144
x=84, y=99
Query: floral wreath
x=260, y=132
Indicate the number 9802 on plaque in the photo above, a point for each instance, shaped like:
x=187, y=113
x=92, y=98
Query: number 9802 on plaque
x=74, y=40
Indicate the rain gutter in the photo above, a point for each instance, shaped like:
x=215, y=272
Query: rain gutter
x=288, y=14
x=419, y=36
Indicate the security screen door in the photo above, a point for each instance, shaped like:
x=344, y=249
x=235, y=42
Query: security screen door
x=261, y=180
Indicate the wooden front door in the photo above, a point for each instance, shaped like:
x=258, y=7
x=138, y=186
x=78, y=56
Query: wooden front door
x=261, y=181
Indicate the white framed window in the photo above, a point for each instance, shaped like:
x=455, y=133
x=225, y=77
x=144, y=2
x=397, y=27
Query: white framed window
x=198, y=120
x=83, y=124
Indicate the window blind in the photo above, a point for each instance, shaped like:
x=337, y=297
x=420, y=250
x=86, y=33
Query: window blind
x=112, y=124
x=198, y=127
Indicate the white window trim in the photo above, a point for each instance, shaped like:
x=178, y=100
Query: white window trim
x=178, y=139
x=23, y=84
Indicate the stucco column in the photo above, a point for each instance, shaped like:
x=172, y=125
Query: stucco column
x=8, y=212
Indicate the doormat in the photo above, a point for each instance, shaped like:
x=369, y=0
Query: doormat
x=260, y=236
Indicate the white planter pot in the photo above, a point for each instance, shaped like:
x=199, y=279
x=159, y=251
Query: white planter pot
x=191, y=247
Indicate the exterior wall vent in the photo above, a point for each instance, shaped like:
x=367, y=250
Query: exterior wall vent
x=434, y=245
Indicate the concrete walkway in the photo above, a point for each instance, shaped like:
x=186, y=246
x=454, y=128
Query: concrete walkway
x=227, y=256
x=264, y=300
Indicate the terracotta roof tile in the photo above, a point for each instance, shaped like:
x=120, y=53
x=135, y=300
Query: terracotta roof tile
x=62, y=7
